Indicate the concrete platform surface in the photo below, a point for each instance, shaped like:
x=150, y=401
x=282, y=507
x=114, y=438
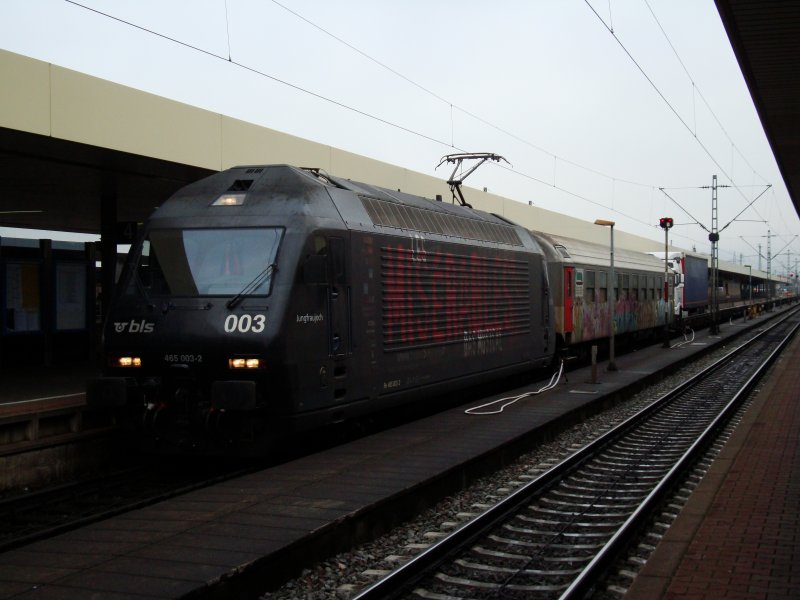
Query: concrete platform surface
x=738, y=536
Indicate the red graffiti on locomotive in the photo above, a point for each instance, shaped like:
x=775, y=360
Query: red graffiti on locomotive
x=434, y=297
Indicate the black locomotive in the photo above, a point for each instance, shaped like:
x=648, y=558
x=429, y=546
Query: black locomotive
x=268, y=299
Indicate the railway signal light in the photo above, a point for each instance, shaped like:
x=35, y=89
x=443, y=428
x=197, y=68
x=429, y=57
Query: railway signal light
x=666, y=224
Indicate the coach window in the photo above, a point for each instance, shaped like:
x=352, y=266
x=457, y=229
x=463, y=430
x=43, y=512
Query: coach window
x=588, y=285
x=621, y=291
x=602, y=285
x=634, y=291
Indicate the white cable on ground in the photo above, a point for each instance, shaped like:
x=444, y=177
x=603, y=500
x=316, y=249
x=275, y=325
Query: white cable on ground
x=685, y=340
x=512, y=399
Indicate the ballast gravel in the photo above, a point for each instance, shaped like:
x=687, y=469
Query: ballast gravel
x=345, y=575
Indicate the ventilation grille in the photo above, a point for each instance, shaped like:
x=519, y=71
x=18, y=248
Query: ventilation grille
x=411, y=218
x=433, y=299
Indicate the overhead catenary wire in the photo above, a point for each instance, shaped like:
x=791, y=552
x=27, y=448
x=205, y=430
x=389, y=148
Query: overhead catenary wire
x=228, y=30
x=745, y=208
x=370, y=115
x=658, y=91
x=452, y=107
x=260, y=73
x=555, y=157
x=343, y=105
x=696, y=89
x=729, y=223
x=571, y=193
x=690, y=215
x=666, y=101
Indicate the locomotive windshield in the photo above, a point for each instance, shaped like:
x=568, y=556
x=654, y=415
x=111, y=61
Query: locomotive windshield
x=206, y=262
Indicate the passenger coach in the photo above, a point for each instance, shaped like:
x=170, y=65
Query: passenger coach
x=580, y=275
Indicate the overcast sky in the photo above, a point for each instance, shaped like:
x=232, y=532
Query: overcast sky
x=544, y=83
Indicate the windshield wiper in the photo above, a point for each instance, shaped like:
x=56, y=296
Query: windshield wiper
x=253, y=285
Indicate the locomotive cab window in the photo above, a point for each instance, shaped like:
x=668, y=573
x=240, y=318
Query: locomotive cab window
x=206, y=262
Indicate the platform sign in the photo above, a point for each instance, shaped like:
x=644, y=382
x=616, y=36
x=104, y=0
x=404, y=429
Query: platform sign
x=126, y=232
x=22, y=297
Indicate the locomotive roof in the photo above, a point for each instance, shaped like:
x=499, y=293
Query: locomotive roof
x=402, y=211
x=286, y=189
x=253, y=183
x=278, y=180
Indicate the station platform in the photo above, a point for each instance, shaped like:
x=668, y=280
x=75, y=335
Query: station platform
x=33, y=383
x=738, y=536
x=46, y=436
x=233, y=539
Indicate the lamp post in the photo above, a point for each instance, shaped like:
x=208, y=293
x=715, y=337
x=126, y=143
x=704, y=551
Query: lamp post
x=749, y=286
x=612, y=366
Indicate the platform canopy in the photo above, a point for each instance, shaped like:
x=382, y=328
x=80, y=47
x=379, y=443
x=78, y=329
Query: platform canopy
x=60, y=185
x=70, y=143
x=765, y=37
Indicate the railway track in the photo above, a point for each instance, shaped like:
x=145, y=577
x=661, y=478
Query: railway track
x=557, y=536
x=26, y=518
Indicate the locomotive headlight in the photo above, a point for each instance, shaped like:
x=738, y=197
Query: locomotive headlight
x=245, y=363
x=127, y=361
x=229, y=199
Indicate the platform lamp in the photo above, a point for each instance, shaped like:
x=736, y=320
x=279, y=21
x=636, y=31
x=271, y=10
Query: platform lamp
x=666, y=224
x=750, y=284
x=612, y=366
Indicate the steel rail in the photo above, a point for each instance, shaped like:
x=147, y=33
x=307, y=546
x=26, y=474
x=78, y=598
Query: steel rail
x=397, y=583
x=603, y=559
x=44, y=514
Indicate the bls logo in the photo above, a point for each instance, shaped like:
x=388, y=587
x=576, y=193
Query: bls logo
x=133, y=326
